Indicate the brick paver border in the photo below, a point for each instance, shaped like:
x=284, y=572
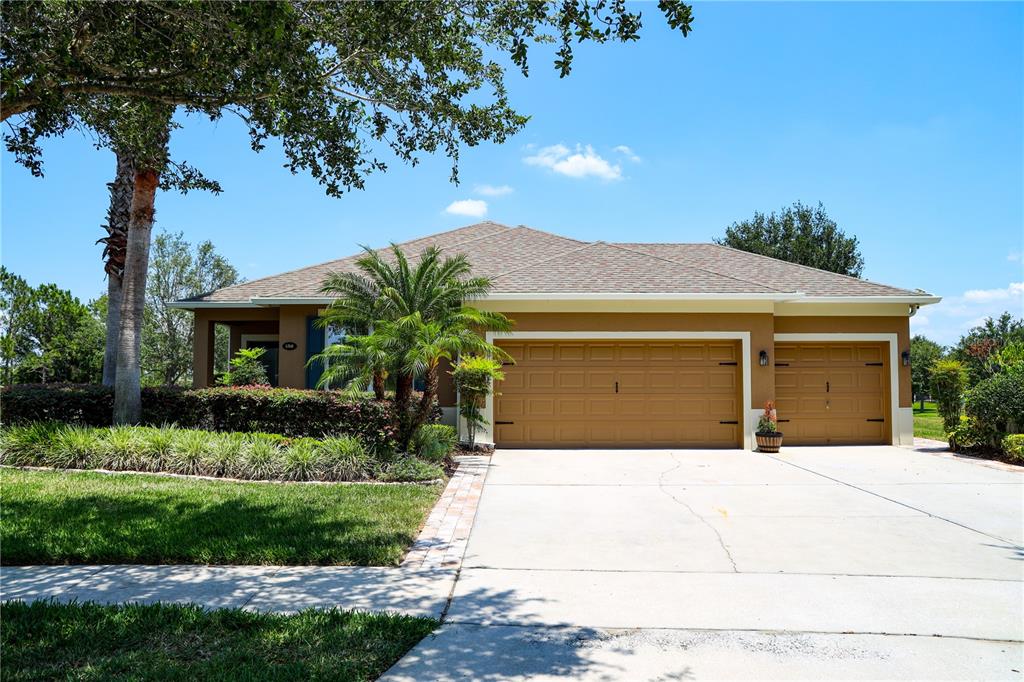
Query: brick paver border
x=442, y=542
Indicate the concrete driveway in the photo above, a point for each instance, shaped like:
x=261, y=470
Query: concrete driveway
x=838, y=563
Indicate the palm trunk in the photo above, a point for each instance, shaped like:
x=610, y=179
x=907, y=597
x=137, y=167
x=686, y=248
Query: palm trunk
x=403, y=394
x=127, y=386
x=116, y=242
x=427, y=400
x=379, y=386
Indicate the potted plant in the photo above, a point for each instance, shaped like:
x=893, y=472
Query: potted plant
x=769, y=438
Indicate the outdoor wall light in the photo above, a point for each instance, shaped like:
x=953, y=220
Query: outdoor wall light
x=762, y=358
x=905, y=356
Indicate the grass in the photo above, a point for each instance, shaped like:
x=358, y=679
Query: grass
x=51, y=517
x=927, y=422
x=47, y=641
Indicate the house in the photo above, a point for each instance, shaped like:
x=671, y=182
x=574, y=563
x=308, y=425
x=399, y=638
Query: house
x=632, y=344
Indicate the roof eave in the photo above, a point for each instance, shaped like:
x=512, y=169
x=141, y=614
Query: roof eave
x=915, y=299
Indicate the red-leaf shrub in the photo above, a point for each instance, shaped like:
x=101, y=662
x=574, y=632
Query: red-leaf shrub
x=289, y=412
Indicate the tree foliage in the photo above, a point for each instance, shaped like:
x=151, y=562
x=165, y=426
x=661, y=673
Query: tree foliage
x=47, y=335
x=178, y=270
x=798, y=234
x=982, y=348
x=474, y=377
x=408, y=317
x=246, y=369
x=949, y=379
x=923, y=354
x=339, y=81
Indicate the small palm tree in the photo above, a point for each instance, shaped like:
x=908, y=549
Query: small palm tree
x=407, y=318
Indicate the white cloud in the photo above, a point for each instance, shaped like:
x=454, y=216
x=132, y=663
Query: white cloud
x=475, y=208
x=493, y=190
x=1014, y=257
x=1015, y=290
x=628, y=153
x=950, y=319
x=581, y=163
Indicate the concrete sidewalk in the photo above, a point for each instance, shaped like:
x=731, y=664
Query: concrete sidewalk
x=279, y=589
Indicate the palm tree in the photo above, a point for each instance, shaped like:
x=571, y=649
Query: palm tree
x=410, y=317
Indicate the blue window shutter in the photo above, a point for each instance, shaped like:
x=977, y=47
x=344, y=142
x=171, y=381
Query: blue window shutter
x=314, y=345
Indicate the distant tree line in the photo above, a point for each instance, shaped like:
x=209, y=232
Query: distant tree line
x=47, y=335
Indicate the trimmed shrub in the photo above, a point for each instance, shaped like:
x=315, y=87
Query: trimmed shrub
x=1013, y=446
x=997, y=403
x=434, y=442
x=247, y=369
x=192, y=452
x=949, y=378
x=290, y=412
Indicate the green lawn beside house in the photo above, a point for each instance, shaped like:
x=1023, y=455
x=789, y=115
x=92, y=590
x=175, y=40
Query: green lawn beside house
x=927, y=422
x=49, y=641
x=92, y=518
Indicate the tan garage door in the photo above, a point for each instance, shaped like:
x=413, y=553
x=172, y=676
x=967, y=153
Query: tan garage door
x=619, y=394
x=833, y=393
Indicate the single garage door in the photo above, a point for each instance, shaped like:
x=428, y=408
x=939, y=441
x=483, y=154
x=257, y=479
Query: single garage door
x=833, y=393
x=619, y=394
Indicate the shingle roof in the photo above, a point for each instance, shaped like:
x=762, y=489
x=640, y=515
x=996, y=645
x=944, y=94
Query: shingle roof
x=522, y=260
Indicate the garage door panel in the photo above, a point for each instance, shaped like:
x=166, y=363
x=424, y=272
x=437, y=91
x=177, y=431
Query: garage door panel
x=575, y=352
x=540, y=352
x=722, y=379
x=669, y=394
x=833, y=393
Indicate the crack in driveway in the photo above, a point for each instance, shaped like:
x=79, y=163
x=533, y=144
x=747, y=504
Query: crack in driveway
x=662, y=488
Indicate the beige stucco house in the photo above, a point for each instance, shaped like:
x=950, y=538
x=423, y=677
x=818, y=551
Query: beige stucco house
x=630, y=344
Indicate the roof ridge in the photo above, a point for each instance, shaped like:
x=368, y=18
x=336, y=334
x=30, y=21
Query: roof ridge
x=808, y=267
x=695, y=267
x=553, y=234
x=583, y=245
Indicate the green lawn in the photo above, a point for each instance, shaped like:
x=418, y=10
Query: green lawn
x=89, y=518
x=927, y=422
x=49, y=641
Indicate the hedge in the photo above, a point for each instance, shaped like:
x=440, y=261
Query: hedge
x=285, y=411
x=258, y=456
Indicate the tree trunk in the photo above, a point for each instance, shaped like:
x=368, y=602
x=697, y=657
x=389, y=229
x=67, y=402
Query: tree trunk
x=115, y=245
x=403, y=394
x=427, y=401
x=379, y=385
x=127, y=386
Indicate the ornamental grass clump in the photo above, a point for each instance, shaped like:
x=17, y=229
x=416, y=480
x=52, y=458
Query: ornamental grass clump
x=261, y=459
x=252, y=456
x=189, y=453
x=121, y=449
x=74, y=447
x=345, y=459
x=300, y=461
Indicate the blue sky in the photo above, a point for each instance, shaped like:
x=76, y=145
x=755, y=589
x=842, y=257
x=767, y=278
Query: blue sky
x=905, y=120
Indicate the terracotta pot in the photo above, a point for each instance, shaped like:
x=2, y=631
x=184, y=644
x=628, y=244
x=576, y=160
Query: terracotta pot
x=768, y=442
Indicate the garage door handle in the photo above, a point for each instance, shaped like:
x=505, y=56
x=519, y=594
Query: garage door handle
x=499, y=423
x=781, y=421
x=729, y=364
x=616, y=387
x=729, y=422
x=874, y=364
x=874, y=420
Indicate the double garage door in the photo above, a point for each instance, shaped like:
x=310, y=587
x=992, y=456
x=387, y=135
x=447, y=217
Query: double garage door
x=683, y=394
x=611, y=394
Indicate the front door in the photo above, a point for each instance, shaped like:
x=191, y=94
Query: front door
x=269, y=358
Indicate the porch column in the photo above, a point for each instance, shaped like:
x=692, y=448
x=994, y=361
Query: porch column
x=202, y=351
